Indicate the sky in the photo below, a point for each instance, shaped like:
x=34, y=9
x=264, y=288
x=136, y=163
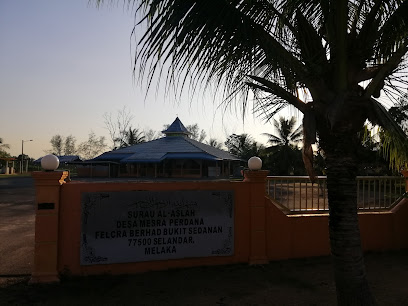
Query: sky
x=64, y=64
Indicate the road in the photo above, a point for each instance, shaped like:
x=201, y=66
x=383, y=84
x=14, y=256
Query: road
x=17, y=217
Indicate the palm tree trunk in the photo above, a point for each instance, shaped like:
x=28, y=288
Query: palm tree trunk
x=348, y=262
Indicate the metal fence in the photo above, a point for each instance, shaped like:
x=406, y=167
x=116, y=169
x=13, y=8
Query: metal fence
x=298, y=194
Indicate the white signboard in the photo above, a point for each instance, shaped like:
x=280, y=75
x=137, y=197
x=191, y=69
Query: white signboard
x=133, y=226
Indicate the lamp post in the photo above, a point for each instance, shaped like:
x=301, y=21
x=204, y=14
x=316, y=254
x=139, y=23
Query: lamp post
x=22, y=155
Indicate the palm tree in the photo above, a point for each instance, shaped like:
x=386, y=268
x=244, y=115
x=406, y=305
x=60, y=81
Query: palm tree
x=288, y=135
x=340, y=53
x=131, y=137
x=284, y=153
x=214, y=143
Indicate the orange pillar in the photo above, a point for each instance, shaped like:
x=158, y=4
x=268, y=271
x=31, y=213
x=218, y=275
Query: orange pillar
x=47, y=188
x=257, y=180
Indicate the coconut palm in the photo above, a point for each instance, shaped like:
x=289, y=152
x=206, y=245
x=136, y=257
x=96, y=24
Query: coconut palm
x=342, y=54
x=284, y=154
x=287, y=134
x=131, y=137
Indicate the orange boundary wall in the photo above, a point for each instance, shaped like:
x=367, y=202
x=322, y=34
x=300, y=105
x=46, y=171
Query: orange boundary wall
x=262, y=231
x=298, y=236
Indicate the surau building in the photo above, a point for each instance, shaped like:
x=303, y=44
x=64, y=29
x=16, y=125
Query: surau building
x=175, y=155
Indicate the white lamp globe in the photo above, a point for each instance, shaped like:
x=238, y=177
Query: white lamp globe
x=49, y=162
x=255, y=163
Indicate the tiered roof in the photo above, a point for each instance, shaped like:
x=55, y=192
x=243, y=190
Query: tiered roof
x=177, y=146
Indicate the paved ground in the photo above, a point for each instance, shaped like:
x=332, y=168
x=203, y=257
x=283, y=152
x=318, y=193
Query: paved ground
x=17, y=216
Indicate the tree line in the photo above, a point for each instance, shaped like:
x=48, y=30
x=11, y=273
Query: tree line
x=281, y=156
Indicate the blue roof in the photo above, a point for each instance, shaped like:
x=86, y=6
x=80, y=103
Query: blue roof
x=176, y=147
x=111, y=156
x=204, y=156
x=156, y=159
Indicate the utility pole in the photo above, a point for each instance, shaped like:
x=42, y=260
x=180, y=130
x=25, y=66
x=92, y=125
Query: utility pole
x=22, y=156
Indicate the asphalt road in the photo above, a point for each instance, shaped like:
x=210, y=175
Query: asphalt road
x=17, y=217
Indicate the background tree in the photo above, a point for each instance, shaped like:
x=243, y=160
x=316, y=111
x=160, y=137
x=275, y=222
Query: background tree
x=57, y=144
x=151, y=134
x=256, y=149
x=243, y=146
x=3, y=152
x=118, y=126
x=69, y=145
x=371, y=159
x=61, y=145
x=196, y=133
x=93, y=147
x=399, y=112
x=214, y=143
x=3, y=148
x=27, y=161
x=278, y=48
x=284, y=156
x=238, y=145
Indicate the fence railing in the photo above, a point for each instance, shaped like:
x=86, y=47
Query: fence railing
x=298, y=194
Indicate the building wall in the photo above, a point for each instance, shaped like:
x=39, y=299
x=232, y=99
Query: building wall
x=176, y=168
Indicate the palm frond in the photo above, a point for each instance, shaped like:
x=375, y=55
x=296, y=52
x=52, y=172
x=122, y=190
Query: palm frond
x=246, y=34
x=276, y=48
x=395, y=144
x=394, y=31
x=277, y=90
x=310, y=44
